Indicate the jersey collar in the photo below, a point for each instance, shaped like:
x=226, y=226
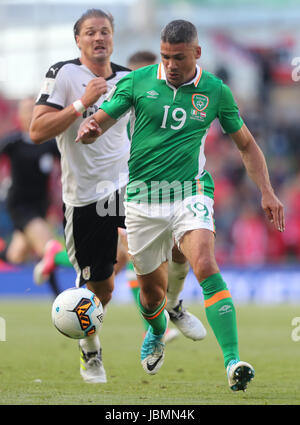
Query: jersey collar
x=113, y=68
x=161, y=75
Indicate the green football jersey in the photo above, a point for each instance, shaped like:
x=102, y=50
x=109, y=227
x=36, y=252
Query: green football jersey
x=168, y=130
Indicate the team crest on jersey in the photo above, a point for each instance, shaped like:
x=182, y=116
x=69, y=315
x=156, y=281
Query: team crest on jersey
x=200, y=102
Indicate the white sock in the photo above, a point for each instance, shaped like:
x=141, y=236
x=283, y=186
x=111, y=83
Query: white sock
x=177, y=273
x=90, y=344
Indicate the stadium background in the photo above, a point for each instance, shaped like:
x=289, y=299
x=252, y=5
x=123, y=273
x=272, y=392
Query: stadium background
x=253, y=46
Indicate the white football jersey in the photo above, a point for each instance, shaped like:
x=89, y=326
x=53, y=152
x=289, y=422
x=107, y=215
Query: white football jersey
x=86, y=169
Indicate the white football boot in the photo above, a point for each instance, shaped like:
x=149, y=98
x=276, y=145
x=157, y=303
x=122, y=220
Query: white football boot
x=91, y=367
x=190, y=326
x=171, y=334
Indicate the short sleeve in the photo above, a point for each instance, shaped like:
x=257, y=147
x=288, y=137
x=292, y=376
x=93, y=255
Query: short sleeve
x=54, y=89
x=120, y=99
x=228, y=112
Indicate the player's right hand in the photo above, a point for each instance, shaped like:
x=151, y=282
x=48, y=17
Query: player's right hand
x=274, y=210
x=88, y=131
x=95, y=88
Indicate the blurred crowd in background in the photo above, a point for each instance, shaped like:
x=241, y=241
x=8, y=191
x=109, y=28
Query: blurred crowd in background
x=244, y=236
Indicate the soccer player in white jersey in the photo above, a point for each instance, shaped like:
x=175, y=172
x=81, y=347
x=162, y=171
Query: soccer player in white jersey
x=169, y=193
x=93, y=177
x=73, y=90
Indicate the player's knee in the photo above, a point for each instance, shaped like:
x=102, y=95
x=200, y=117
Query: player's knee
x=106, y=297
x=103, y=288
x=152, y=299
x=204, y=266
x=102, y=291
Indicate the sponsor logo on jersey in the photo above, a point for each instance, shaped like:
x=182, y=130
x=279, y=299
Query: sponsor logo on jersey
x=53, y=70
x=152, y=94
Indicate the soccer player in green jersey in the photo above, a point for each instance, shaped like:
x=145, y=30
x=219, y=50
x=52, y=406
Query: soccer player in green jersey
x=170, y=194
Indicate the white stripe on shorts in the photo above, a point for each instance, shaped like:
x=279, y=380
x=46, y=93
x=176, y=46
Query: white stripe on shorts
x=70, y=244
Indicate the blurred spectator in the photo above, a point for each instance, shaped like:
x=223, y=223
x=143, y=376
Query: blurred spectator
x=276, y=249
x=27, y=199
x=140, y=59
x=7, y=114
x=291, y=236
x=250, y=238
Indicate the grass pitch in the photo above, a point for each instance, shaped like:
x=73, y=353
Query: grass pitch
x=39, y=366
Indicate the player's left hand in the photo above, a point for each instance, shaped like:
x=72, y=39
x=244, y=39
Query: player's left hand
x=274, y=210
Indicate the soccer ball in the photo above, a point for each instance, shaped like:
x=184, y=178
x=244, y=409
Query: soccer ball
x=77, y=313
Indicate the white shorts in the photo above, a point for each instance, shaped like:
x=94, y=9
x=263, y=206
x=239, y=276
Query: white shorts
x=152, y=228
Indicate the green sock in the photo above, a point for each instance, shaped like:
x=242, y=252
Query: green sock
x=220, y=313
x=134, y=288
x=62, y=259
x=156, y=319
x=135, y=293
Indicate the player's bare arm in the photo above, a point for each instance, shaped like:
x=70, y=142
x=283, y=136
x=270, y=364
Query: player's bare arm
x=48, y=122
x=255, y=164
x=94, y=126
